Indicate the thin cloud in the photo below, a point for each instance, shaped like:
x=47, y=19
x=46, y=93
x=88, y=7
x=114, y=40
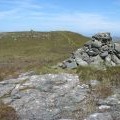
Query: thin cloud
x=27, y=14
x=78, y=21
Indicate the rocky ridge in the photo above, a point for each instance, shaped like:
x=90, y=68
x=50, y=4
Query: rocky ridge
x=98, y=52
x=57, y=97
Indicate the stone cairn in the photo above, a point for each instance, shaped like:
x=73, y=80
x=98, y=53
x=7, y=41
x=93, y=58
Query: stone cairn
x=99, y=51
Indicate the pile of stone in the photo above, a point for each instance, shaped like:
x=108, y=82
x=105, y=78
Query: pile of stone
x=99, y=51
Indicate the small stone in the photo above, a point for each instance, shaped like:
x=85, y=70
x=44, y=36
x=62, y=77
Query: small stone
x=104, y=108
x=100, y=116
x=94, y=83
x=70, y=65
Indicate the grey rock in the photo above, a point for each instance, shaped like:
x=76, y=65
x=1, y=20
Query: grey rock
x=111, y=100
x=5, y=90
x=58, y=96
x=65, y=119
x=45, y=97
x=94, y=83
x=109, y=62
x=92, y=52
x=102, y=36
x=80, y=61
x=115, y=59
x=105, y=48
x=100, y=116
x=70, y=64
x=97, y=61
x=111, y=104
x=103, y=108
x=96, y=44
x=85, y=57
x=27, y=74
x=115, y=113
x=104, y=54
x=81, y=57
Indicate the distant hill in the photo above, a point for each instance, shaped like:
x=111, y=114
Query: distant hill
x=32, y=50
x=115, y=38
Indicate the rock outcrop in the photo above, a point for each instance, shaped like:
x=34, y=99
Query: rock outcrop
x=45, y=97
x=100, y=51
x=57, y=97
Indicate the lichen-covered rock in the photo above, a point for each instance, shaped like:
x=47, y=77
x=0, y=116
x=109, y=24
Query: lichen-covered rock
x=45, y=97
x=108, y=109
x=58, y=97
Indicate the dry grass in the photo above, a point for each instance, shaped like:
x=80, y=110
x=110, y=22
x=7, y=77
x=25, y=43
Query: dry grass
x=102, y=91
x=108, y=78
x=7, y=112
x=37, y=51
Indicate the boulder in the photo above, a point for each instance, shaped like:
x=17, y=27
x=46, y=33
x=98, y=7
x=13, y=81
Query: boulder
x=97, y=61
x=109, y=62
x=93, y=52
x=96, y=44
x=85, y=57
x=81, y=62
x=70, y=64
x=104, y=48
x=81, y=57
x=104, y=54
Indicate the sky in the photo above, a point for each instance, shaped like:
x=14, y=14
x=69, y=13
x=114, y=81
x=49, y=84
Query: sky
x=83, y=16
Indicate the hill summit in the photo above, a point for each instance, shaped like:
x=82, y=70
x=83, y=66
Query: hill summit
x=100, y=51
x=34, y=50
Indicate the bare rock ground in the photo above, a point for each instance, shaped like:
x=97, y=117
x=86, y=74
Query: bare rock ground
x=57, y=97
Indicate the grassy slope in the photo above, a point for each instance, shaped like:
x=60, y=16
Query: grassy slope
x=21, y=51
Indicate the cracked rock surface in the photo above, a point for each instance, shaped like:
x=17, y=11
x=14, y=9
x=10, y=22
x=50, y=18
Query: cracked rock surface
x=56, y=97
x=44, y=97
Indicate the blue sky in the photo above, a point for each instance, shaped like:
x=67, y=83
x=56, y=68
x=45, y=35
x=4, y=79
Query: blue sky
x=83, y=16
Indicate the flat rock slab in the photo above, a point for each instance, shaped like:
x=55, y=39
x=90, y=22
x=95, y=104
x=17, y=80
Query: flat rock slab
x=45, y=97
x=57, y=97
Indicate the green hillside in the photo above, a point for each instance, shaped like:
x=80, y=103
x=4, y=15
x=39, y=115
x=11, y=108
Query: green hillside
x=22, y=51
